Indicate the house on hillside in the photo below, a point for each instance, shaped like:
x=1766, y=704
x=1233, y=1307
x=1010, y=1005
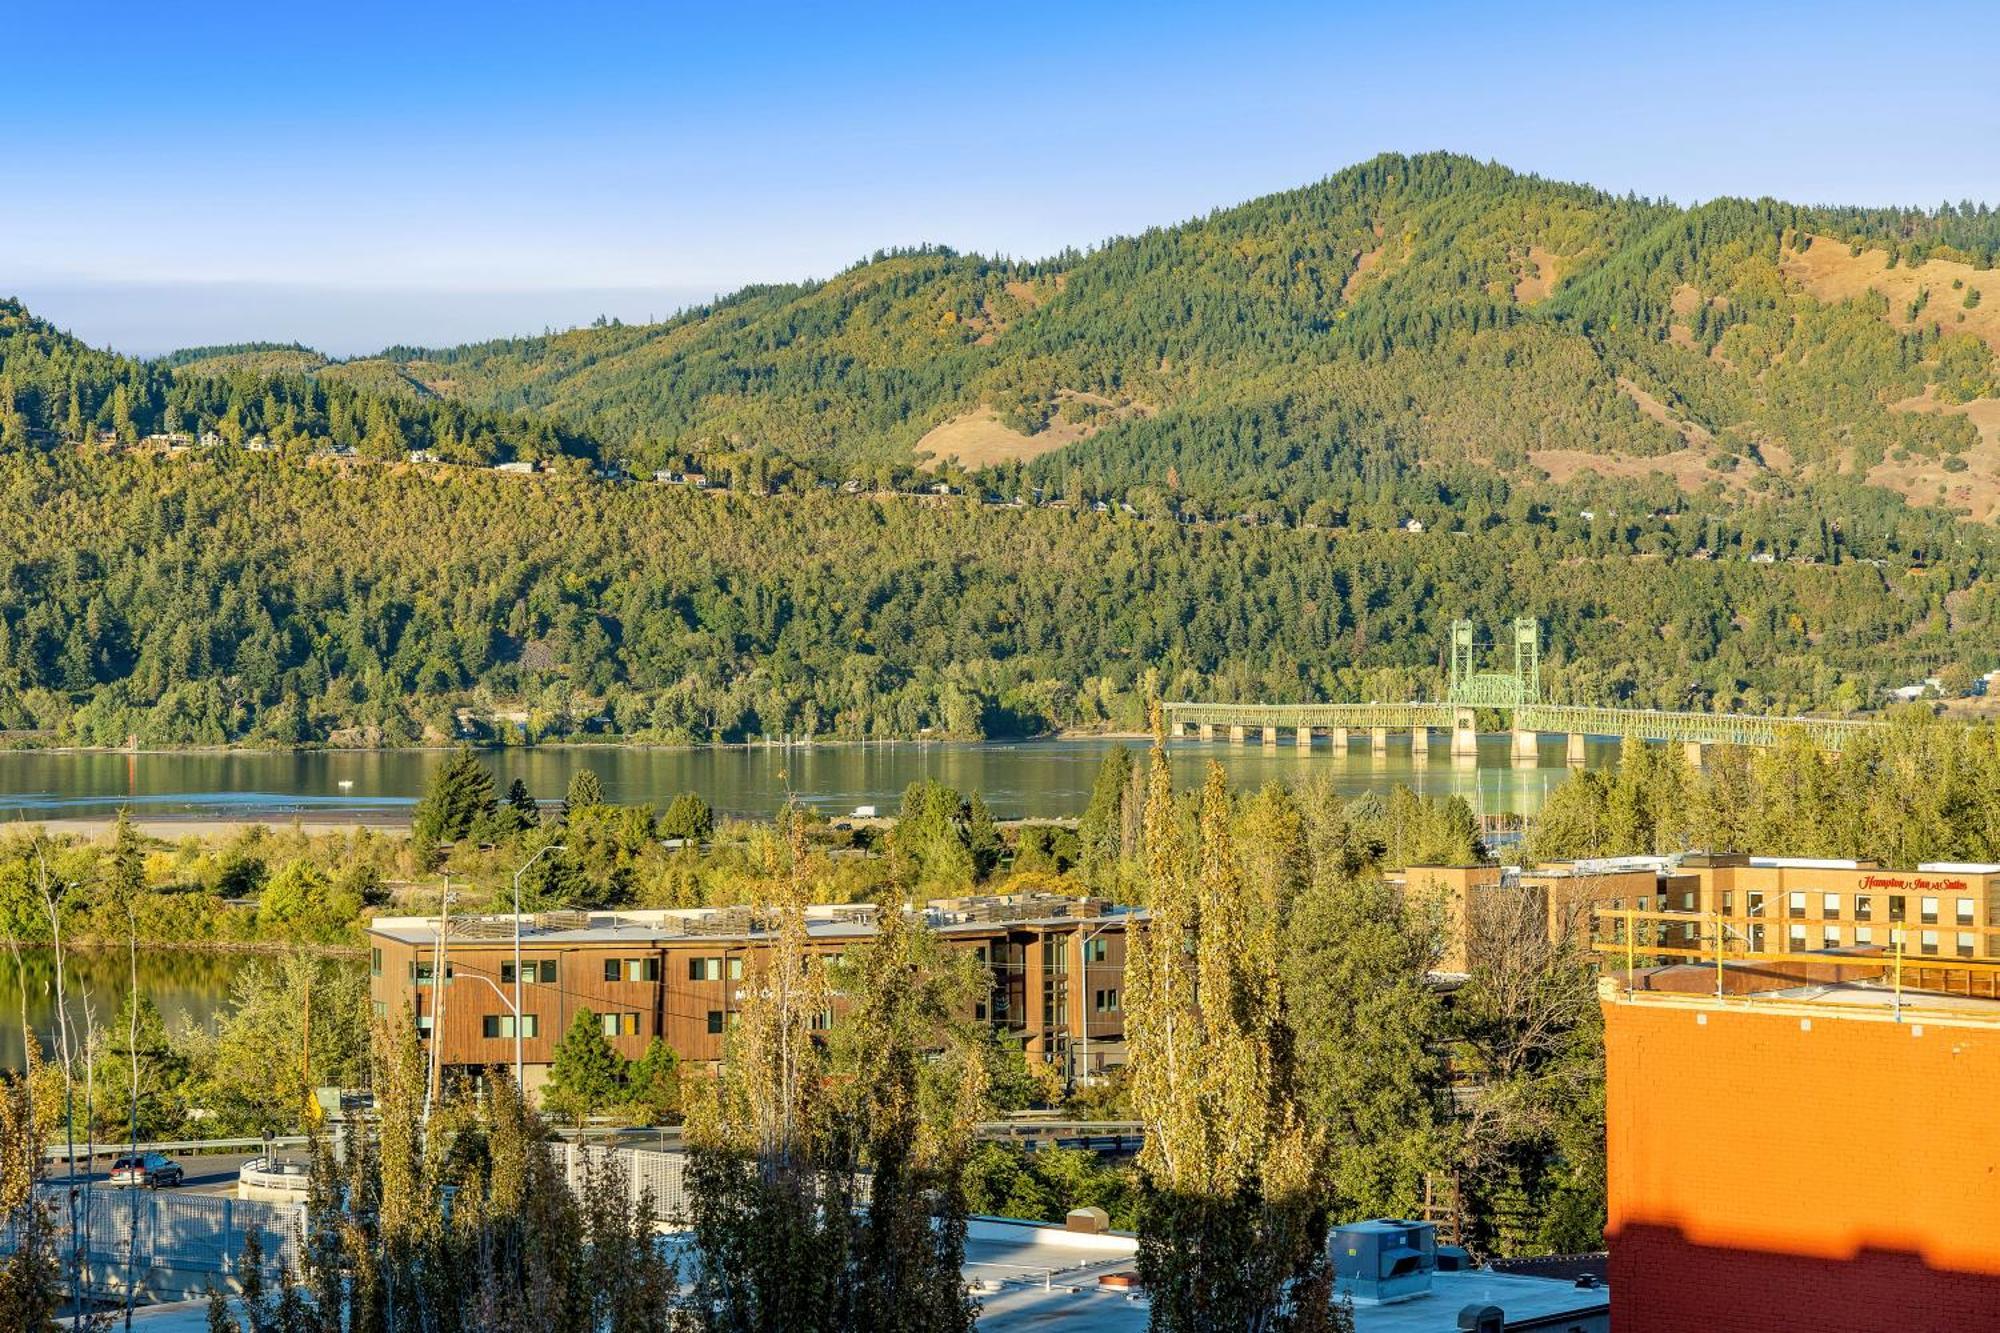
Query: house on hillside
x=1413, y=525
x=517, y=468
x=421, y=456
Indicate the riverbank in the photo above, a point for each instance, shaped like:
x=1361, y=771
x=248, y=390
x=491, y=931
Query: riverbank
x=173, y=830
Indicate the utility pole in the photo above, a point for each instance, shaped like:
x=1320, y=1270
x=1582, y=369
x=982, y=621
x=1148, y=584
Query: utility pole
x=440, y=959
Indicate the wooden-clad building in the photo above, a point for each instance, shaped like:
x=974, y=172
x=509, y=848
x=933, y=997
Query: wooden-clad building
x=1055, y=976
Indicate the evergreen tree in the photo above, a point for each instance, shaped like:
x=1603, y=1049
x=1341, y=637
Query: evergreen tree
x=653, y=1084
x=982, y=838
x=587, y=1075
x=521, y=806
x=125, y=873
x=585, y=793
x=1099, y=830
x=460, y=793
x=688, y=817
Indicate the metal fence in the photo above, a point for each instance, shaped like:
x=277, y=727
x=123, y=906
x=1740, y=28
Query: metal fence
x=646, y=1172
x=173, y=1245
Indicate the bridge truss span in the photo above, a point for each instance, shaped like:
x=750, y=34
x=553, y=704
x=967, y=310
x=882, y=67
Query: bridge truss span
x=1690, y=728
x=1293, y=717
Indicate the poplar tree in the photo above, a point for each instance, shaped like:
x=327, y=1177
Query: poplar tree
x=1233, y=1230
x=916, y=1090
x=768, y=1178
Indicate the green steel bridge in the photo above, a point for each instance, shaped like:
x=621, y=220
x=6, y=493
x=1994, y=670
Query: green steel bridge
x=1516, y=695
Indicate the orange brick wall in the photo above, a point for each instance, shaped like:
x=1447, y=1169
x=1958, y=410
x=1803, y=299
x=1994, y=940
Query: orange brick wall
x=1776, y=1171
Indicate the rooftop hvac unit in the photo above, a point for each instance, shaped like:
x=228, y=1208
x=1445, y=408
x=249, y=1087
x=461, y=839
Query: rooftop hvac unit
x=1384, y=1260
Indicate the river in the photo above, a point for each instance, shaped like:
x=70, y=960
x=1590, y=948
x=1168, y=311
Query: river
x=186, y=986
x=1033, y=779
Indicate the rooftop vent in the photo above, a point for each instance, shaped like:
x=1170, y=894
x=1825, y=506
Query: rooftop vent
x=1384, y=1260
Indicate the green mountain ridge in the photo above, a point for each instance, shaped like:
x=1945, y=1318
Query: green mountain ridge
x=1408, y=312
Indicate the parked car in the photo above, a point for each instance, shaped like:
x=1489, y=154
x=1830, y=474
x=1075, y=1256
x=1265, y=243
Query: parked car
x=152, y=1170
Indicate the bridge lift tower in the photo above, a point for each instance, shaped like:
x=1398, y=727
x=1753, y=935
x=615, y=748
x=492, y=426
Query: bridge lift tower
x=1473, y=689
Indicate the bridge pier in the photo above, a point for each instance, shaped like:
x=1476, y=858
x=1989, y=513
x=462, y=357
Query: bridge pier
x=1464, y=734
x=1378, y=741
x=1337, y=737
x=1693, y=751
x=1208, y=731
x=1302, y=737
x=1269, y=735
x=1420, y=743
x=1237, y=734
x=1575, y=754
x=1527, y=747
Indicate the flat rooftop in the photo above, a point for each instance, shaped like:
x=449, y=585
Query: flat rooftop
x=743, y=925
x=1034, y=1276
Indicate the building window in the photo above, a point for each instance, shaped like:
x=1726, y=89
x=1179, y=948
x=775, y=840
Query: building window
x=736, y=969
x=1829, y=937
x=631, y=969
x=979, y=1011
x=979, y=952
x=822, y=1021
x=532, y=971
x=704, y=969
x=420, y=973
x=1864, y=934
x=1754, y=902
x=1965, y=944
x=1829, y=906
x=1106, y=1001
x=619, y=1025
x=1965, y=911
x=423, y=1025
x=1796, y=939
x=714, y=1022
x=1864, y=907
x=502, y=1025
x=1929, y=908
x=1927, y=941
x=1096, y=951
x=381, y=1009
x=1729, y=902
x=1896, y=908
x=1795, y=906
x=374, y=962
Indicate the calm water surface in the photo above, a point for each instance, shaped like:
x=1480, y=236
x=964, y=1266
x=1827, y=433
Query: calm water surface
x=187, y=987
x=1025, y=779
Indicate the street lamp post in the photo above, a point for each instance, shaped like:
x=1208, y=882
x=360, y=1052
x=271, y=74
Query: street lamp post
x=520, y=1089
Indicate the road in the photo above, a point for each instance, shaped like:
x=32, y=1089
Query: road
x=206, y=1174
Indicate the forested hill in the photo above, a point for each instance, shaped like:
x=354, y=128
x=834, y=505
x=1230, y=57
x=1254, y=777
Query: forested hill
x=1405, y=329
x=1688, y=440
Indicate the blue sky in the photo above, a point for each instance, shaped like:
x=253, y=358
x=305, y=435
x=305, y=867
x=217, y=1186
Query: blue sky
x=363, y=174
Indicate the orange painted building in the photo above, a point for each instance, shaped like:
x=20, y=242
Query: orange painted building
x=1808, y=1153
